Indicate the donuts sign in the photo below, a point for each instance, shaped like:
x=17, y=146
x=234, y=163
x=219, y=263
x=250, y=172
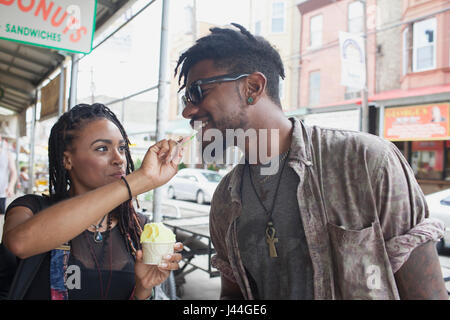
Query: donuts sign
x=59, y=24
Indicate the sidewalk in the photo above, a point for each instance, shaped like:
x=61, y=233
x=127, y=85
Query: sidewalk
x=199, y=286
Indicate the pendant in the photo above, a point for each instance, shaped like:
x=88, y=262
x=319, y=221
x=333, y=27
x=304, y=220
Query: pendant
x=271, y=240
x=98, y=237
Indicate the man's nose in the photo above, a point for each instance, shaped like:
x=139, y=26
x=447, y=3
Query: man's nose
x=189, y=110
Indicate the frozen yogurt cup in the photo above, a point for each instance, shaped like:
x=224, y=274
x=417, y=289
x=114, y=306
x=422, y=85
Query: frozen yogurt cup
x=157, y=241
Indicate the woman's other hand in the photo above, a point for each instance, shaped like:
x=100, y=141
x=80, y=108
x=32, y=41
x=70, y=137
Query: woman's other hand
x=148, y=276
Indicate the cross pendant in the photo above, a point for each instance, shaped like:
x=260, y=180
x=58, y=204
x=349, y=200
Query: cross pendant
x=271, y=240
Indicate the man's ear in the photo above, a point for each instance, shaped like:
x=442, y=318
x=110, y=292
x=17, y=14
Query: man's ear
x=256, y=86
x=67, y=160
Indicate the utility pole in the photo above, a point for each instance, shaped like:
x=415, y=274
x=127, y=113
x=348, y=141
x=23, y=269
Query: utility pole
x=364, y=91
x=163, y=97
x=194, y=21
x=92, y=86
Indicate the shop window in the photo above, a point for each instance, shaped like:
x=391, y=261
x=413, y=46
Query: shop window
x=427, y=159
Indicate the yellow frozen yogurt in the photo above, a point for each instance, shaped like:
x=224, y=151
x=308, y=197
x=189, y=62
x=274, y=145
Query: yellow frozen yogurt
x=157, y=232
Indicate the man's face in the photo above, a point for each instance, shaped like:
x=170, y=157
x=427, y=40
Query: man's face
x=223, y=105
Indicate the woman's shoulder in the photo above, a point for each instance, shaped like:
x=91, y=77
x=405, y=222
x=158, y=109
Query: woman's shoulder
x=34, y=202
x=143, y=219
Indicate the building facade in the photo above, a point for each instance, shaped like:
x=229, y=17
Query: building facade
x=408, y=76
x=278, y=21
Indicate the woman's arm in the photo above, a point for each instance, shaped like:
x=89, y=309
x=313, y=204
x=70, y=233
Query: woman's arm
x=26, y=234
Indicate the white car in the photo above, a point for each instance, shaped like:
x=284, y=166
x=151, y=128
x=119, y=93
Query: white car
x=439, y=206
x=193, y=184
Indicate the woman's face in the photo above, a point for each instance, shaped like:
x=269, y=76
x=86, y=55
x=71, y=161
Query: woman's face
x=97, y=156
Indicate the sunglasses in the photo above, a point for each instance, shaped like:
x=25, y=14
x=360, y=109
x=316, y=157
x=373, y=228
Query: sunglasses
x=194, y=93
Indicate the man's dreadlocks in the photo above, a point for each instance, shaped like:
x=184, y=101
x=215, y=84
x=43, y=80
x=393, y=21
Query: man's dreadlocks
x=61, y=139
x=236, y=52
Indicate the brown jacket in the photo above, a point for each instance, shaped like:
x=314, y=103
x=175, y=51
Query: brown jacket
x=362, y=209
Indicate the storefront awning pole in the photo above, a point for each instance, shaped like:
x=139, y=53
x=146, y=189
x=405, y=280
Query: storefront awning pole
x=32, y=144
x=73, y=81
x=163, y=97
x=62, y=82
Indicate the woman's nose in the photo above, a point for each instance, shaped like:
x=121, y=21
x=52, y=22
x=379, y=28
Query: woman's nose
x=118, y=158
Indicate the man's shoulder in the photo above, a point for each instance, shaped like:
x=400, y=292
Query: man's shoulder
x=351, y=141
x=221, y=200
x=222, y=188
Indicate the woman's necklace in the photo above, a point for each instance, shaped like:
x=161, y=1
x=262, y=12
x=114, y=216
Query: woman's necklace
x=97, y=234
x=99, y=263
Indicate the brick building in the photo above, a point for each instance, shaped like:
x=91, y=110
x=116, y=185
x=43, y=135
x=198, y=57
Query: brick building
x=408, y=76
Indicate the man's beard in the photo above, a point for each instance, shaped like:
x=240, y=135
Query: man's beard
x=238, y=120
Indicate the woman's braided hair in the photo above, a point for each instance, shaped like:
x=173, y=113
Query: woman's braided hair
x=61, y=138
x=236, y=52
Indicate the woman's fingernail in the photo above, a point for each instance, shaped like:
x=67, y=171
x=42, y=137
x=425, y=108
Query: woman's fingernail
x=163, y=264
x=168, y=257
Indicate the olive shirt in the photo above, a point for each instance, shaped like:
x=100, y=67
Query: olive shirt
x=362, y=209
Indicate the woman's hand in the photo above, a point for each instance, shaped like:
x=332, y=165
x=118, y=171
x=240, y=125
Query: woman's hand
x=161, y=161
x=147, y=276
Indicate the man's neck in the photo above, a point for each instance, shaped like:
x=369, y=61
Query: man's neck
x=274, y=135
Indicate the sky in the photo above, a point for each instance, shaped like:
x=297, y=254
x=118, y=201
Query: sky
x=130, y=62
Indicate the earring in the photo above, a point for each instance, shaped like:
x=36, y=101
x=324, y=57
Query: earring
x=249, y=100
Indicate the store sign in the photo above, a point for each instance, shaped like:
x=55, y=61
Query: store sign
x=59, y=24
x=50, y=97
x=425, y=122
x=346, y=120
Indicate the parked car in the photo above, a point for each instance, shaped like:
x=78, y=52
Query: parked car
x=193, y=184
x=439, y=206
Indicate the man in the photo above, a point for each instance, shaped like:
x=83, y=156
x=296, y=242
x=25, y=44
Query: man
x=8, y=174
x=342, y=218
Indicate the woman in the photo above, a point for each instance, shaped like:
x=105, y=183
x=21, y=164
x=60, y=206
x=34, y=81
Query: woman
x=91, y=182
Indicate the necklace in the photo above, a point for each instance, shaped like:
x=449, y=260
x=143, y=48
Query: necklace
x=97, y=234
x=270, y=229
x=283, y=156
x=99, y=262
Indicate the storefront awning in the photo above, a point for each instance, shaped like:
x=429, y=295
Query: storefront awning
x=413, y=96
x=396, y=97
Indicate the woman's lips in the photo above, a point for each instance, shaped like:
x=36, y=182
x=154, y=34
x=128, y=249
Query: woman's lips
x=118, y=175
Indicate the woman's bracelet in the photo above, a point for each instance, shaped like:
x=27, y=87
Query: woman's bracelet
x=151, y=297
x=128, y=187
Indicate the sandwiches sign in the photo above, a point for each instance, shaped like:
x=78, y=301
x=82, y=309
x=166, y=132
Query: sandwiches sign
x=59, y=24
